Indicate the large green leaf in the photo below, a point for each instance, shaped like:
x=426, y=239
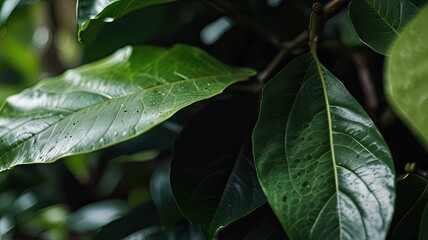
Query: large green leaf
x=407, y=74
x=107, y=102
x=108, y=10
x=212, y=175
x=411, y=217
x=378, y=22
x=323, y=165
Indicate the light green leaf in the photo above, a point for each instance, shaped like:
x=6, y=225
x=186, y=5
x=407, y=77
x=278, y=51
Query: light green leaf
x=108, y=10
x=378, y=22
x=407, y=76
x=107, y=102
x=324, y=167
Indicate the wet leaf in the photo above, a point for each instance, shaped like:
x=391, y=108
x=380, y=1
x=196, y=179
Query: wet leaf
x=107, y=102
x=323, y=165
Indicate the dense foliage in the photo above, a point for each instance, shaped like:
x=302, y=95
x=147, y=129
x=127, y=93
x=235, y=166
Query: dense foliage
x=214, y=119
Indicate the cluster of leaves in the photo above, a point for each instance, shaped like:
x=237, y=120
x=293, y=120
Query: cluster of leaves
x=173, y=143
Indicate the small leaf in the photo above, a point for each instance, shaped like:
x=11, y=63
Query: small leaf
x=212, y=176
x=411, y=217
x=143, y=216
x=107, y=102
x=108, y=10
x=96, y=215
x=407, y=74
x=378, y=22
x=324, y=167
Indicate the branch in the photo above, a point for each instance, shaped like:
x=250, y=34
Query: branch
x=231, y=11
x=284, y=51
x=320, y=14
x=366, y=82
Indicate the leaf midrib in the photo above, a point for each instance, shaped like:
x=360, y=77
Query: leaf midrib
x=240, y=75
x=330, y=133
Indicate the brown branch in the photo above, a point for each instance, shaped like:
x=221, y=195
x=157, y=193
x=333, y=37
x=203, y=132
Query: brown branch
x=284, y=51
x=366, y=82
x=334, y=6
x=231, y=11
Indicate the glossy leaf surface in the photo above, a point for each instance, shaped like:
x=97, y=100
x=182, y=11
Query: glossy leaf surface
x=212, y=175
x=108, y=10
x=324, y=167
x=407, y=74
x=411, y=217
x=379, y=22
x=107, y=102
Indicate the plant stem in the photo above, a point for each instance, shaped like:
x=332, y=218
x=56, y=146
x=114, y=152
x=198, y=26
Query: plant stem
x=366, y=82
x=231, y=11
x=320, y=14
x=332, y=7
x=284, y=51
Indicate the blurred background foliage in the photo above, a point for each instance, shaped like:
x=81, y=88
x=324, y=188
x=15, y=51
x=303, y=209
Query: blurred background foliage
x=124, y=191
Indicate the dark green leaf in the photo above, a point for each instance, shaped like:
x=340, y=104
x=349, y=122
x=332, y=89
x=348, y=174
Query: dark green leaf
x=107, y=102
x=323, y=165
x=143, y=216
x=261, y=224
x=212, y=175
x=160, y=189
x=406, y=76
x=419, y=3
x=379, y=22
x=108, y=10
x=411, y=217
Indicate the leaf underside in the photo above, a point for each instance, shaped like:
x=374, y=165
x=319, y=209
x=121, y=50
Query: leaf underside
x=324, y=167
x=378, y=22
x=108, y=10
x=107, y=102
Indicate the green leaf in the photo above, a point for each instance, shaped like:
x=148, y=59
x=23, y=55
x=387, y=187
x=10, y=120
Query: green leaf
x=108, y=10
x=212, y=175
x=107, y=102
x=8, y=6
x=411, y=217
x=161, y=192
x=143, y=216
x=324, y=167
x=96, y=215
x=406, y=76
x=378, y=22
